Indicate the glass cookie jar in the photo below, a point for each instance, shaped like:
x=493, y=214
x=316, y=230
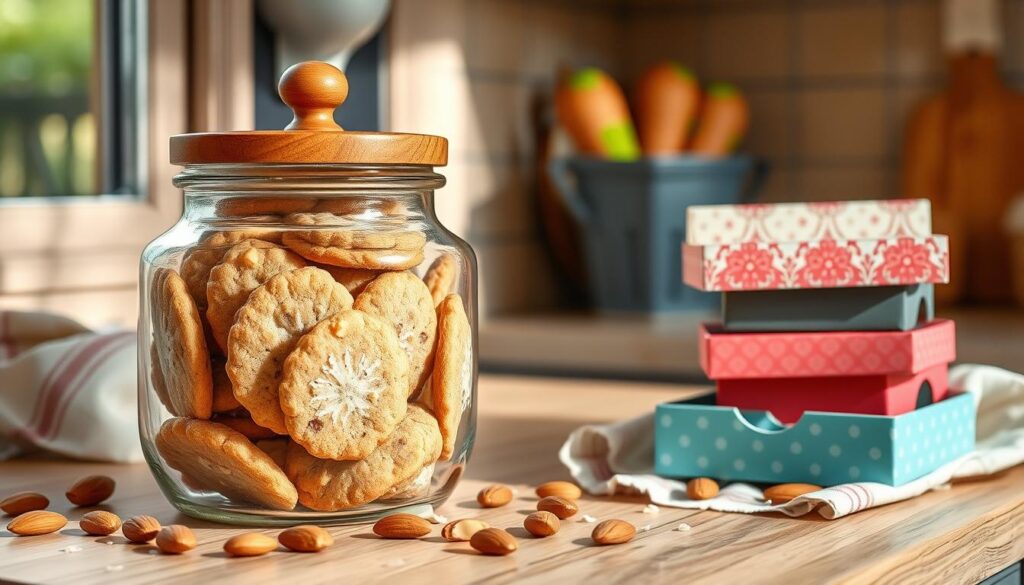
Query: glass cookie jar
x=307, y=334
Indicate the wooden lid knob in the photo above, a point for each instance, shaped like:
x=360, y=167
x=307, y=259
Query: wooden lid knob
x=313, y=89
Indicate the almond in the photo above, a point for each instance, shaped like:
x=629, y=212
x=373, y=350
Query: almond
x=701, y=488
x=99, y=523
x=37, y=522
x=175, y=539
x=784, y=492
x=494, y=541
x=250, y=544
x=22, y=502
x=494, y=496
x=541, y=524
x=306, y=538
x=140, y=528
x=462, y=530
x=558, y=506
x=613, y=532
x=401, y=526
x=562, y=489
x=91, y=490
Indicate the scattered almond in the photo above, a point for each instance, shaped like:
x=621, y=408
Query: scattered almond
x=250, y=544
x=562, y=489
x=99, y=523
x=462, y=530
x=701, y=488
x=140, y=528
x=494, y=496
x=24, y=502
x=175, y=539
x=36, y=522
x=494, y=541
x=306, y=538
x=558, y=506
x=613, y=532
x=541, y=524
x=784, y=492
x=401, y=526
x=91, y=490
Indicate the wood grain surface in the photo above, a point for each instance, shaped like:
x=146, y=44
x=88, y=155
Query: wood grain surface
x=959, y=535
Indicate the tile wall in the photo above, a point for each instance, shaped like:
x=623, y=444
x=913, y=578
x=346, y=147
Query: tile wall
x=830, y=83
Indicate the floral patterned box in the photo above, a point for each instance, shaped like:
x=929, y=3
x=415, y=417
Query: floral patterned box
x=817, y=264
x=804, y=222
x=695, y=438
x=825, y=353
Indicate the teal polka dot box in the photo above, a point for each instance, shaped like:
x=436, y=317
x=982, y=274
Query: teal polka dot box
x=818, y=393
x=697, y=438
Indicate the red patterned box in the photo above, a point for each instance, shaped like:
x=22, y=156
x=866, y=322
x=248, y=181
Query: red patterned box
x=881, y=394
x=817, y=264
x=805, y=222
x=831, y=353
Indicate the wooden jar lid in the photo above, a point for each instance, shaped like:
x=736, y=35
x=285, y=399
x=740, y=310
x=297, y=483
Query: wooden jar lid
x=312, y=90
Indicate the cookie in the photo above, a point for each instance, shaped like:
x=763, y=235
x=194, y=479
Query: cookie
x=250, y=206
x=340, y=232
x=361, y=206
x=277, y=449
x=184, y=361
x=341, y=242
x=242, y=423
x=156, y=378
x=353, y=279
x=266, y=329
x=403, y=301
x=223, y=396
x=246, y=266
x=440, y=277
x=364, y=259
x=326, y=485
x=218, y=458
x=196, y=266
x=452, y=380
x=416, y=487
x=344, y=386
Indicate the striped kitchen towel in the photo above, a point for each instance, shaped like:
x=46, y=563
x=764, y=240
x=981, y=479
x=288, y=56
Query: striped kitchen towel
x=619, y=458
x=67, y=390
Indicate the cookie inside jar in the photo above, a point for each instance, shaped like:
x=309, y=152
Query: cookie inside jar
x=309, y=349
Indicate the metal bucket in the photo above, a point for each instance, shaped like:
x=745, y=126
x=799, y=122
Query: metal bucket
x=633, y=216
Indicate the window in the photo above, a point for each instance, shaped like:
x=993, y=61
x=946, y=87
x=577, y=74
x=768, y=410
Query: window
x=90, y=92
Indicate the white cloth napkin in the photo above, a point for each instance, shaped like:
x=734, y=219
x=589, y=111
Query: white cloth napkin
x=66, y=389
x=619, y=458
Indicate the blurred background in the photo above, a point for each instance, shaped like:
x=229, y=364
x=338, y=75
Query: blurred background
x=577, y=241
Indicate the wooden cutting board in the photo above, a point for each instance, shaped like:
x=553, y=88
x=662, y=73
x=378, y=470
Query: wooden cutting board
x=964, y=150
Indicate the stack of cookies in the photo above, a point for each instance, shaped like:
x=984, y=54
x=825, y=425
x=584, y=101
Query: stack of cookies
x=308, y=363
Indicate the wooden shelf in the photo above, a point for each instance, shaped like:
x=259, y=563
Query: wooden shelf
x=665, y=347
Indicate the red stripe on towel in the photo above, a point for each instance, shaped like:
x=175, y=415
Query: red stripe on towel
x=47, y=385
x=868, y=498
x=71, y=374
x=118, y=341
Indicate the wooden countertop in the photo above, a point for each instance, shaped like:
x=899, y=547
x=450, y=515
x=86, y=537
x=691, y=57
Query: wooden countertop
x=960, y=535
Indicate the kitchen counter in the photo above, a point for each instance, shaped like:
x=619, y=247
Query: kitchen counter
x=963, y=534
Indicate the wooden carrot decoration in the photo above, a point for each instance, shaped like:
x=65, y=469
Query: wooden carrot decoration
x=666, y=99
x=591, y=107
x=723, y=121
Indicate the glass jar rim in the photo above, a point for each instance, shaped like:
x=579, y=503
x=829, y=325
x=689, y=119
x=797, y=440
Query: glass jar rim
x=278, y=176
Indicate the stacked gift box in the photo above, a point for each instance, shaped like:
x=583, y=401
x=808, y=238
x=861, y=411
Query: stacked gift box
x=829, y=365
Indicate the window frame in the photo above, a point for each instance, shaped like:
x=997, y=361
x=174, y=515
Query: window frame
x=58, y=246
